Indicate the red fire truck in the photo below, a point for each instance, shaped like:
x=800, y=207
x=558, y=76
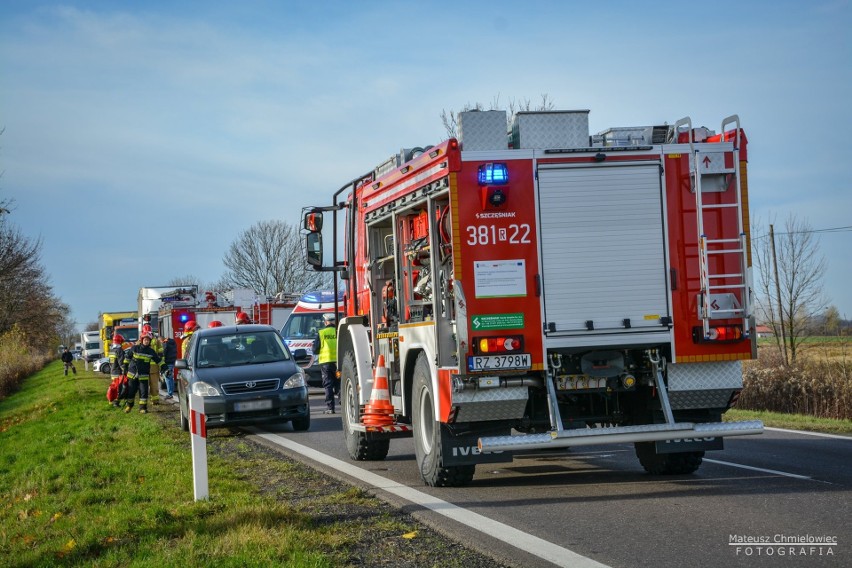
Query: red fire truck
x=275, y=311
x=544, y=289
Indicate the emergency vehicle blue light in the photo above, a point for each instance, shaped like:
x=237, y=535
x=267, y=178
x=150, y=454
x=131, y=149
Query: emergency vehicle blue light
x=184, y=318
x=493, y=174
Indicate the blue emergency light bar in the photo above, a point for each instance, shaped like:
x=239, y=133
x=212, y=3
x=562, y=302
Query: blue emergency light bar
x=493, y=174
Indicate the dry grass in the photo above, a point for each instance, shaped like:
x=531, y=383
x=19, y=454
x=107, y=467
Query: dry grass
x=17, y=361
x=819, y=384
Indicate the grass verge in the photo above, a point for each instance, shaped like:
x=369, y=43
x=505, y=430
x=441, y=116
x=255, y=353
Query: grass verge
x=792, y=421
x=83, y=484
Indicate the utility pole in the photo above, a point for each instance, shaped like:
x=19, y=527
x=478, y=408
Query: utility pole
x=778, y=293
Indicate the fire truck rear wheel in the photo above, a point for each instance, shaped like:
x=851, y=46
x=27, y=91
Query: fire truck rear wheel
x=357, y=444
x=427, y=434
x=667, y=464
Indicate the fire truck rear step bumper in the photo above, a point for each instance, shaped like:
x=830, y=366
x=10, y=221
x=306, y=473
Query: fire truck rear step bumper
x=619, y=435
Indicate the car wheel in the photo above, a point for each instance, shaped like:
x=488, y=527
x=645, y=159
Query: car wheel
x=105, y=369
x=301, y=424
x=357, y=444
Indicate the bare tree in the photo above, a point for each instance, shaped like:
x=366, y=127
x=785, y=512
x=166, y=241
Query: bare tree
x=193, y=280
x=269, y=258
x=187, y=280
x=789, y=303
x=26, y=298
x=449, y=118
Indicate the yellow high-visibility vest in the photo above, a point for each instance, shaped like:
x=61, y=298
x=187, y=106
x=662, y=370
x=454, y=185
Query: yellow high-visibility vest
x=328, y=345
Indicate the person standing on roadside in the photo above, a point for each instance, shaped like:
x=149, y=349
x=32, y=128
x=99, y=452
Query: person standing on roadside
x=68, y=359
x=169, y=358
x=326, y=347
x=137, y=363
x=242, y=318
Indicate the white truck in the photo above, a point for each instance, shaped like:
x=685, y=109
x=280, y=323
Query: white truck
x=92, y=346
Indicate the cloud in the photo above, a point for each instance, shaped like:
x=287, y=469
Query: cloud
x=189, y=122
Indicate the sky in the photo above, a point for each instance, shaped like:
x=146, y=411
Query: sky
x=141, y=138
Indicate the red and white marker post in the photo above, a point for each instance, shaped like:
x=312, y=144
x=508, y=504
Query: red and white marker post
x=198, y=429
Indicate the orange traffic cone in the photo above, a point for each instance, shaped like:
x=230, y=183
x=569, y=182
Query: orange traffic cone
x=379, y=411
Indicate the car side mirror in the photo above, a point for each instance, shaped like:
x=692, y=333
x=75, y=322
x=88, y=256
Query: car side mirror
x=181, y=364
x=302, y=358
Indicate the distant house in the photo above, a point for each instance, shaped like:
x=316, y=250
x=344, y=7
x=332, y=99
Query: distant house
x=763, y=331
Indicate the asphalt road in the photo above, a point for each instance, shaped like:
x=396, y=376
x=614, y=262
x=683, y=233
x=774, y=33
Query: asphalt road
x=596, y=506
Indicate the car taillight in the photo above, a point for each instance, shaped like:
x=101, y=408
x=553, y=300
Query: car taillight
x=503, y=344
x=718, y=334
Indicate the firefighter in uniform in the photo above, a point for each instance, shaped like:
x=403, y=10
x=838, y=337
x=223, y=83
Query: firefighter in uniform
x=156, y=378
x=188, y=329
x=137, y=364
x=326, y=348
x=116, y=356
x=242, y=318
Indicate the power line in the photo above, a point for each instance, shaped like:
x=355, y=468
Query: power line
x=845, y=229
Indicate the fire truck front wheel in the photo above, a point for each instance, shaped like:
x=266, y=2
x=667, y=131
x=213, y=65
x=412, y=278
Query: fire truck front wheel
x=357, y=444
x=427, y=434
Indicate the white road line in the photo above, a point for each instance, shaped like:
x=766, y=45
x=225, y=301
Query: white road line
x=804, y=433
x=548, y=551
x=760, y=469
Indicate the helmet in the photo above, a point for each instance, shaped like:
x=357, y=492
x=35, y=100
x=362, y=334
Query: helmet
x=117, y=338
x=329, y=317
x=215, y=323
x=147, y=334
x=191, y=325
x=146, y=328
x=242, y=317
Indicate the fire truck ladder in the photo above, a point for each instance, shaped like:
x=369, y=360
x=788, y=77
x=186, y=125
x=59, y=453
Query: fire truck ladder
x=706, y=162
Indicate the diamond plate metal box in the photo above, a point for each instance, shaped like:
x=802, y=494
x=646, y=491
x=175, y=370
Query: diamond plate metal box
x=483, y=130
x=491, y=404
x=714, y=398
x=705, y=376
x=551, y=129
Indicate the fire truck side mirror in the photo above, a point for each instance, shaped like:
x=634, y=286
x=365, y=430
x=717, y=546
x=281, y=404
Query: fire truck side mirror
x=313, y=222
x=313, y=244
